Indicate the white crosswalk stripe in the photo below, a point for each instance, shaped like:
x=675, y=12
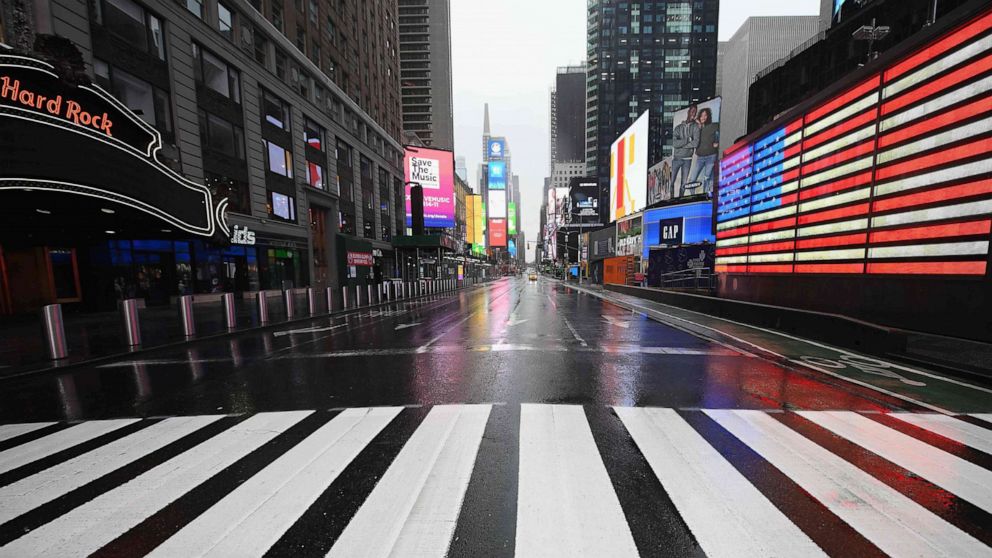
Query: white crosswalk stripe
x=569, y=500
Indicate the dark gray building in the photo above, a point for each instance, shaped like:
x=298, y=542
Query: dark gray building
x=568, y=115
x=425, y=71
x=657, y=55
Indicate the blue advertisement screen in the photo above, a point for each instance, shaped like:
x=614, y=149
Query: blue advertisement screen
x=496, y=149
x=497, y=175
x=697, y=224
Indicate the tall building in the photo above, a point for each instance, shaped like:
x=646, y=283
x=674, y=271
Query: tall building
x=657, y=55
x=460, y=168
x=567, y=126
x=425, y=70
x=758, y=42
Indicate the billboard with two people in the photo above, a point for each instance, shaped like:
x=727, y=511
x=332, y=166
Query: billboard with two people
x=696, y=147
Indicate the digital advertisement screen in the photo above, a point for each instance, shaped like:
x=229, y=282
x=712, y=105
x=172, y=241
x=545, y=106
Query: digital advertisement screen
x=497, y=204
x=629, y=236
x=887, y=177
x=434, y=169
x=497, y=175
x=496, y=149
x=629, y=170
x=470, y=219
x=497, y=233
x=693, y=168
x=479, y=221
x=696, y=219
x=511, y=218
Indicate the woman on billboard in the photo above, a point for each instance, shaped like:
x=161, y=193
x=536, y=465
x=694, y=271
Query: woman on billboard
x=706, y=152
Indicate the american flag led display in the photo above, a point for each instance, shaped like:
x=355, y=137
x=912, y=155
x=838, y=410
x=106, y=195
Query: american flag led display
x=891, y=176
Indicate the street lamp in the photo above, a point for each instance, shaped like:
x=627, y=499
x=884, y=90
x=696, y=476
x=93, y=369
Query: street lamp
x=871, y=33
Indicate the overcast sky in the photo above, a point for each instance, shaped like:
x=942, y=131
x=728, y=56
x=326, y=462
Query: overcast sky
x=506, y=53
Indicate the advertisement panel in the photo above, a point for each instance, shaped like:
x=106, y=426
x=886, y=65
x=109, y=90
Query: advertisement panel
x=511, y=247
x=671, y=231
x=497, y=175
x=434, y=169
x=629, y=170
x=497, y=233
x=496, y=149
x=470, y=219
x=562, y=205
x=922, y=164
x=360, y=258
x=660, y=182
x=629, y=236
x=497, y=204
x=696, y=149
x=478, y=221
x=511, y=218
x=671, y=260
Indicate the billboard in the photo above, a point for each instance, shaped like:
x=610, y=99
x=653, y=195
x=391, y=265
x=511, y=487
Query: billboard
x=511, y=218
x=497, y=204
x=470, y=219
x=497, y=175
x=695, y=218
x=478, y=223
x=695, y=149
x=629, y=170
x=511, y=247
x=889, y=176
x=562, y=205
x=434, y=169
x=660, y=182
x=497, y=233
x=495, y=149
x=629, y=236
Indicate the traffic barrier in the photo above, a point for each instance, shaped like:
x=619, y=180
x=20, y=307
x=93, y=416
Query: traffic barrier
x=230, y=314
x=329, y=295
x=287, y=297
x=344, y=297
x=262, y=307
x=131, y=322
x=186, y=315
x=54, y=331
x=311, y=302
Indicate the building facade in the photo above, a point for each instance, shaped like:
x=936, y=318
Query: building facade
x=425, y=70
x=657, y=55
x=758, y=42
x=291, y=115
x=567, y=125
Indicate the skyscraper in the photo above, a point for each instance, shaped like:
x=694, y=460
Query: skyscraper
x=568, y=115
x=657, y=55
x=425, y=70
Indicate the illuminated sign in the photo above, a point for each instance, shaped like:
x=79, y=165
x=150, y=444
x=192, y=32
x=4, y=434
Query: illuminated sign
x=497, y=204
x=360, y=258
x=497, y=233
x=434, y=169
x=692, y=169
x=629, y=170
x=497, y=175
x=511, y=217
x=478, y=221
x=242, y=236
x=887, y=177
x=670, y=231
x=99, y=147
x=496, y=149
x=629, y=236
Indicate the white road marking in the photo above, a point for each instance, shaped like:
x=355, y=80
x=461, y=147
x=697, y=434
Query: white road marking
x=249, y=520
x=888, y=519
x=958, y=476
x=404, y=326
x=414, y=508
x=726, y=513
x=499, y=347
x=616, y=322
x=8, y=431
x=90, y=526
x=307, y=330
x=574, y=333
x=163, y=362
x=57, y=441
x=566, y=505
x=45, y=486
x=987, y=417
x=952, y=428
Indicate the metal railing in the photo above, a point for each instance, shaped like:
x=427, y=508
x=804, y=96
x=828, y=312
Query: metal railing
x=700, y=278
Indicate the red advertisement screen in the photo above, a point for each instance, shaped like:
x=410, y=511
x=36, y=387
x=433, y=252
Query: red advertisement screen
x=497, y=233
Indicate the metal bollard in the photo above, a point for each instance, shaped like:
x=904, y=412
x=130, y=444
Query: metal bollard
x=330, y=299
x=230, y=314
x=369, y=289
x=344, y=297
x=54, y=331
x=358, y=296
x=186, y=315
x=287, y=297
x=311, y=302
x=262, y=308
x=131, y=322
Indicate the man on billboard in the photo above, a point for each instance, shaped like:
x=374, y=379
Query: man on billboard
x=685, y=141
x=706, y=151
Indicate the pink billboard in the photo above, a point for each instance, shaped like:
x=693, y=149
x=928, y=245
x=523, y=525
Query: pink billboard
x=434, y=169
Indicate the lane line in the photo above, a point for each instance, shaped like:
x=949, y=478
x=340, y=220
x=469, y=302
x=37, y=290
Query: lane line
x=8, y=431
x=53, y=443
x=728, y=515
x=566, y=505
x=888, y=519
x=40, y=488
x=951, y=428
x=955, y=475
x=423, y=348
x=249, y=520
x=86, y=528
x=414, y=508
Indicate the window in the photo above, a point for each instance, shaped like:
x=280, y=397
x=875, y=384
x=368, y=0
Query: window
x=236, y=191
x=277, y=20
x=195, y=7
x=281, y=206
x=312, y=11
x=281, y=65
x=221, y=136
x=313, y=134
x=134, y=25
x=225, y=21
x=280, y=160
x=261, y=46
x=275, y=111
x=216, y=74
x=315, y=175
x=150, y=103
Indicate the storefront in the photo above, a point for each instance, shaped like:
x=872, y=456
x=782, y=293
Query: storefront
x=602, y=245
x=356, y=261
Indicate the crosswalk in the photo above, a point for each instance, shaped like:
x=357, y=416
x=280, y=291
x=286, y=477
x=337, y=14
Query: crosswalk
x=570, y=480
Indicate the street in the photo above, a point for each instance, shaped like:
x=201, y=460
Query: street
x=515, y=418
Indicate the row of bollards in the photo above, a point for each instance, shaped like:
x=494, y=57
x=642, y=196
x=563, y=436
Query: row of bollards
x=56, y=345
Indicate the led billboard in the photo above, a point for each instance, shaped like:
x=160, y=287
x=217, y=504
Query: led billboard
x=434, y=169
x=629, y=236
x=495, y=149
x=511, y=217
x=695, y=150
x=497, y=175
x=470, y=219
x=497, y=204
x=629, y=170
x=890, y=176
x=497, y=233
x=478, y=221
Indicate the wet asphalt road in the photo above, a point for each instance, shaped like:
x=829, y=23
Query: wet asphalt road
x=516, y=418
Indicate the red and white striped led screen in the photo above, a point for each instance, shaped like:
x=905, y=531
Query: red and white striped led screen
x=892, y=176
